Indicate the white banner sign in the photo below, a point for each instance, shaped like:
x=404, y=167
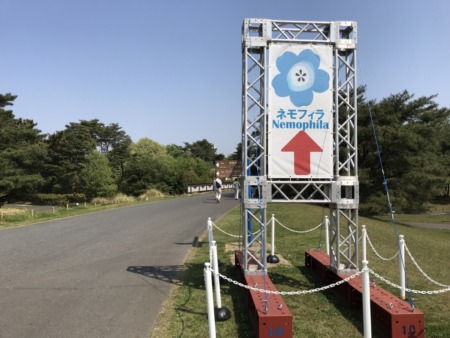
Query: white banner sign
x=300, y=126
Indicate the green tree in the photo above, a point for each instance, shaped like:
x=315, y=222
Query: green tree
x=204, y=150
x=22, y=154
x=112, y=141
x=410, y=137
x=237, y=155
x=175, y=151
x=96, y=176
x=68, y=150
x=118, y=156
x=169, y=169
x=190, y=170
x=149, y=166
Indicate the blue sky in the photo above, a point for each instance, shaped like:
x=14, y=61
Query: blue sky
x=171, y=70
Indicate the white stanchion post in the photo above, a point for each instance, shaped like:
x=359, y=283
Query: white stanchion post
x=367, y=320
x=210, y=236
x=215, y=268
x=273, y=235
x=272, y=258
x=209, y=227
x=221, y=313
x=364, y=243
x=327, y=235
x=402, y=267
x=210, y=301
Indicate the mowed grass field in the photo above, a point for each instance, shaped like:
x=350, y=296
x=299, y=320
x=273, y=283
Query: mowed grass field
x=318, y=314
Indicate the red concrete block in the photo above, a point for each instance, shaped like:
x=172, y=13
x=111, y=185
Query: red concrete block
x=269, y=313
x=391, y=316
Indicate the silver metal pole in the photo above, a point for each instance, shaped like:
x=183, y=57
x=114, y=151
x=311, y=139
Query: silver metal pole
x=327, y=235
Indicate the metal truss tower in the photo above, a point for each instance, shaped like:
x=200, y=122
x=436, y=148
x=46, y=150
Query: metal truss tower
x=341, y=192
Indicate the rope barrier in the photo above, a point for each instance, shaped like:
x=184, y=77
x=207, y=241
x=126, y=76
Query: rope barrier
x=376, y=253
x=446, y=287
x=291, y=293
x=412, y=259
x=226, y=233
x=299, y=231
x=257, y=232
x=232, y=235
x=327, y=287
x=425, y=275
x=435, y=292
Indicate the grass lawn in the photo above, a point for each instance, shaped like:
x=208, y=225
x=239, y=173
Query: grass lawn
x=318, y=314
x=11, y=217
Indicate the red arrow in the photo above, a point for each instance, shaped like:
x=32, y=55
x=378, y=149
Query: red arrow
x=302, y=145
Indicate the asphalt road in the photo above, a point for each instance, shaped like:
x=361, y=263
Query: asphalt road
x=104, y=274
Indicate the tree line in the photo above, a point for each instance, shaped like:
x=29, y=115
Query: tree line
x=90, y=159
x=413, y=140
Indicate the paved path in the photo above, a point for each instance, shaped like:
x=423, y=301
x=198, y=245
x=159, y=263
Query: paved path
x=104, y=274
x=442, y=225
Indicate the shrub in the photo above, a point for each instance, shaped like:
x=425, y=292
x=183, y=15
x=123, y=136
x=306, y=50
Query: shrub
x=150, y=193
x=101, y=201
x=122, y=198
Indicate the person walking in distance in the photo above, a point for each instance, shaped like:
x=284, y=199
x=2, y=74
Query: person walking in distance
x=236, y=188
x=217, y=185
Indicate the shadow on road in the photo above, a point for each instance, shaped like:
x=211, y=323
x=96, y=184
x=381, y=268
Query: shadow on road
x=169, y=273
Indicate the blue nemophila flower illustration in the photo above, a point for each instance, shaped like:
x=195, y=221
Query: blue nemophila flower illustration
x=300, y=77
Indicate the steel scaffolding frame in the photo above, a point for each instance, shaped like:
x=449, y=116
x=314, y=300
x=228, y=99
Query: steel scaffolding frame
x=341, y=193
